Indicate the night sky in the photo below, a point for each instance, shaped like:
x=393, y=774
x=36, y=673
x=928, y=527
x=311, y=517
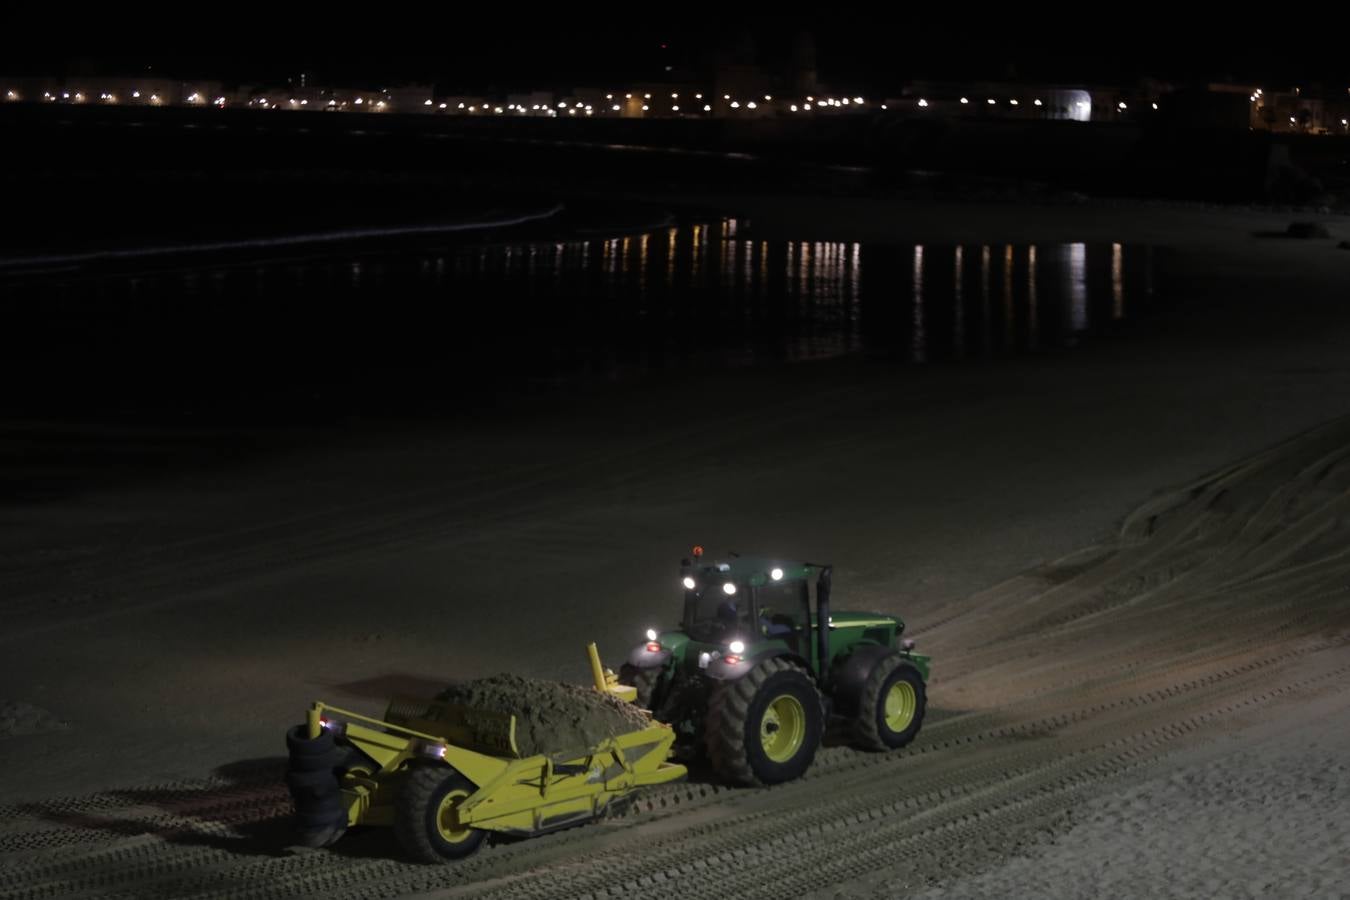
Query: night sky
x=562, y=49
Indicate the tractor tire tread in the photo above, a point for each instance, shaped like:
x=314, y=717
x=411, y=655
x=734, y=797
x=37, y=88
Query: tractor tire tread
x=867, y=724
x=645, y=680
x=728, y=710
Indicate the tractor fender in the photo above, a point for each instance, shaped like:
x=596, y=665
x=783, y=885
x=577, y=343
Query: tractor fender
x=850, y=674
x=642, y=658
x=720, y=670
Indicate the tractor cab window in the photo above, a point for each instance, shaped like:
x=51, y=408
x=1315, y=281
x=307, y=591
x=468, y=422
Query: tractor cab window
x=782, y=608
x=714, y=616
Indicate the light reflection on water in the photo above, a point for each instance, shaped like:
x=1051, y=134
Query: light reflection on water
x=710, y=292
x=699, y=295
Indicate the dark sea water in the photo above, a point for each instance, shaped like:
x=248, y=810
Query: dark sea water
x=431, y=326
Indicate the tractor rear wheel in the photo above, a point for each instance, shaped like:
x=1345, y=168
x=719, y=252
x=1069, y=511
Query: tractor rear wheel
x=891, y=707
x=764, y=727
x=644, y=680
x=424, y=815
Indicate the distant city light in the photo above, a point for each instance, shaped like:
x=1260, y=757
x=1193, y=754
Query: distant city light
x=698, y=96
x=674, y=96
x=675, y=108
x=846, y=101
x=726, y=96
x=1120, y=105
x=793, y=107
x=767, y=97
x=858, y=100
x=359, y=101
x=644, y=107
x=136, y=94
x=923, y=103
x=1036, y=103
x=707, y=108
x=735, y=104
x=646, y=96
x=426, y=103
x=615, y=107
x=806, y=106
x=965, y=100
x=1012, y=102
x=609, y=96
x=1155, y=106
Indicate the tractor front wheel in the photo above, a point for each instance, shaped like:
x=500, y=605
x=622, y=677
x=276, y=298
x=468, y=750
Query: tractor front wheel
x=764, y=727
x=644, y=680
x=425, y=819
x=891, y=708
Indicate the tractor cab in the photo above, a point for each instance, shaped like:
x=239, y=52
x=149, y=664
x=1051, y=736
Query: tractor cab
x=746, y=600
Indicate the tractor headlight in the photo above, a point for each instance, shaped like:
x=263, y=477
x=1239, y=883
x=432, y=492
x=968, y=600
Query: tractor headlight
x=651, y=634
x=728, y=588
x=776, y=574
x=688, y=583
x=737, y=647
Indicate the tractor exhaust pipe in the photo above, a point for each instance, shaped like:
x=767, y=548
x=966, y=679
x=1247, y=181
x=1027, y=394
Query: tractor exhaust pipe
x=823, y=622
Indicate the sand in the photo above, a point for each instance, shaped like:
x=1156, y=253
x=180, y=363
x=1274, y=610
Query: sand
x=551, y=717
x=180, y=609
x=17, y=717
x=1258, y=813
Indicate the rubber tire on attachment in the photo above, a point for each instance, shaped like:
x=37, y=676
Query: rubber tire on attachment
x=735, y=711
x=313, y=778
x=320, y=817
x=415, y=812
x=645, y=680
x=309, y=753
x=870, y=730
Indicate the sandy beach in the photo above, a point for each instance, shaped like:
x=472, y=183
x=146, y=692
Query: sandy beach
x=1161, y=694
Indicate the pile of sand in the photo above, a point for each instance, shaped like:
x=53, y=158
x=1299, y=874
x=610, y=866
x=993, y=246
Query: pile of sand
x=551, y=717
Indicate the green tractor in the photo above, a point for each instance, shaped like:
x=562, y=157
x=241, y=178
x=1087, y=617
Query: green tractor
x=752, y=677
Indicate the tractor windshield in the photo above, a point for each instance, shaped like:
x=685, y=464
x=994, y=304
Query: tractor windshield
x=714, y=616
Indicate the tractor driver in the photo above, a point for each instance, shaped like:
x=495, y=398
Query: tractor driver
x=728, y=616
